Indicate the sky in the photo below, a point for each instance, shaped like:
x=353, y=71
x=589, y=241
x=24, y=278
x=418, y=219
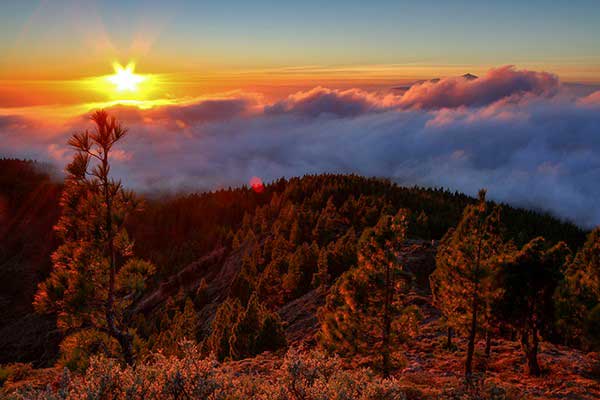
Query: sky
x=215, y=94
x=62, y=39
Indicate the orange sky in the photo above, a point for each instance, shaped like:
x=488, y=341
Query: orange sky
x=272, y=83
x=53, y=52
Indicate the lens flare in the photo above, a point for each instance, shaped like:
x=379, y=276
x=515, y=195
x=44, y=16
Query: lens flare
x=125, y=79
x=257, y=184
x=127, y=86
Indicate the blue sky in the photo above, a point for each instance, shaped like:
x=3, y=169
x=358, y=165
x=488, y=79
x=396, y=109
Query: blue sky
x=184, y=35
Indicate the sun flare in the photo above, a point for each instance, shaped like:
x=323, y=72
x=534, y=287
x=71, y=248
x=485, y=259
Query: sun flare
x=125, y=85
x=125, y=79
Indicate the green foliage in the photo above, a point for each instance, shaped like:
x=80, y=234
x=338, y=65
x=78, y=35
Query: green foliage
x=365, y=311
x=271, y=229
x=462, y=283
x=240, y=332
x=322, y=277
x=330, y=224
x=183, y=325
x=269, y=283
x=529, y=278
x=579, y=294
x=271, y=335
x=222, y=328
x=592, y=327
x=291, y=212
x=342, y=254
x=76, y=349
x=302, y=265
x=242, y=286
x=90, y=286
x=132, y=279
x=242, y=343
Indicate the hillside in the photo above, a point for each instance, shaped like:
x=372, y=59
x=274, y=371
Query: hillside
x=275, y=243
x=428, y=370
x=28, y=210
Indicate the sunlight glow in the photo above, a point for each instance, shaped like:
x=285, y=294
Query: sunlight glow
x=126, y=85
x=124, y=78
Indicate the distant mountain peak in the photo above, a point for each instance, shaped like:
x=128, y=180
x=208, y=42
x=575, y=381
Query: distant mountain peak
x=470, y=77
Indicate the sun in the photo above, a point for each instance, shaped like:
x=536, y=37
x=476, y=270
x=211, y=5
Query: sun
x=124, y=85
x=125, y=79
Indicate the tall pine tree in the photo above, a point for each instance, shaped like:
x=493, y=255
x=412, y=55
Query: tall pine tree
x=461, y=281
x=578, y=297
x=89, y=286
x=366, y=302
x=529, y=279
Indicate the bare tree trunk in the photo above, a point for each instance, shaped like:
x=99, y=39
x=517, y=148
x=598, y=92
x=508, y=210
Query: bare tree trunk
x=449, y=338
x=123, y=337
x=475, y=308
x=488, y=342
x=387, y=324
x=531, y=350
x=471, y=344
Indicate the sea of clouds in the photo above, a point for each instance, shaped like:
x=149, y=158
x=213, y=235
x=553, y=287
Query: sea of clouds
x=522, y=135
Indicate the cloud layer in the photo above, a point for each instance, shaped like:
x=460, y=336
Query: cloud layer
x=511, y=131
x=497, y=84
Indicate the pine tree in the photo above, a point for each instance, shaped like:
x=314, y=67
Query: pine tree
x=451, y=315
x=243, y=339
x=341, y=255
x=88, y=287
x=301, y=266
x=183, y=325
x=239, y=332
x=295, y=233
x=330, y=224
x=242, y=286
x=222, y=327
x=365, y=301
x=322, y=277
x=201, y=297
x=579, y=294
x=271, y=336
x=461, y=281
x=269, y=284
x=529, y=279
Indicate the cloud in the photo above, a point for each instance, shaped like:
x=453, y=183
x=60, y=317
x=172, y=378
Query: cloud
x=497, y=84
x=505, y=84
x=340, y=103
x=592, y=99
x=195, y=111
x=528, y=144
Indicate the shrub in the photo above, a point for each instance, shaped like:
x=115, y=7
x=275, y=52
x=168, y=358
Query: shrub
x=307, y=376
x=14, y=372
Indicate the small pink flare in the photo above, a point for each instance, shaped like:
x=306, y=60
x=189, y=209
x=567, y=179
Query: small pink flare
x=257, y=184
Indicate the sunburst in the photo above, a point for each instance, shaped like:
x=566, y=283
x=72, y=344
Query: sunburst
x=125, y=79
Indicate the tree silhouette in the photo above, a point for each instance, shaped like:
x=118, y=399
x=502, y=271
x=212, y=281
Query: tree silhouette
x=94, y=277
x=529, y=278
